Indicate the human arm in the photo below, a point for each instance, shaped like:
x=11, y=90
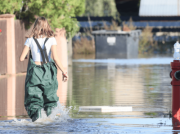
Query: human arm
x=24, y=53
x=61, y=40
x=56, y=58
x=27, y=47
x=58, y=63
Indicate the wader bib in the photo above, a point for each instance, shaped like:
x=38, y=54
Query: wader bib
x=40, y=86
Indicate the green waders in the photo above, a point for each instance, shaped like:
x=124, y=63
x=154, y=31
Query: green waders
x=40, y=86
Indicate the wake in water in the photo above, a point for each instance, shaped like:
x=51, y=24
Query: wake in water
x=59, y=114
x=60, y=122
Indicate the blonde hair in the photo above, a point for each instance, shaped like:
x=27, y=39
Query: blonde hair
x=41, y=28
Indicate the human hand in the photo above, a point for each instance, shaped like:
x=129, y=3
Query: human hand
x=65, y=77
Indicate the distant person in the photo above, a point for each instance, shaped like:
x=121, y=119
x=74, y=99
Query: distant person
x=41, y=80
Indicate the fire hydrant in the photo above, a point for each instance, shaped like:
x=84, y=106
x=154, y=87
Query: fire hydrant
x=175, y=75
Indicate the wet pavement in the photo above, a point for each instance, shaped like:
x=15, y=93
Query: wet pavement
x=142, y=85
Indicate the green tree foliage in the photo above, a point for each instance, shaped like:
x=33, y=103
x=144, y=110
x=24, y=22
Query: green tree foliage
x=101, y=8
x=10, y=6
x=60, y=13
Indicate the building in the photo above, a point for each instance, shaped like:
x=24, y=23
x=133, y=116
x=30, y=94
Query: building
x=128, y=7
x=162, y=15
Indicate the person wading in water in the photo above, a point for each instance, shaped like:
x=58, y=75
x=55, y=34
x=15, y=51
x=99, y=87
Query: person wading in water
x=41, y=79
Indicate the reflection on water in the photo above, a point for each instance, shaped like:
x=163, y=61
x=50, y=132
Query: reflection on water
x=12, y=89
x=12, y=96
x=144, y=87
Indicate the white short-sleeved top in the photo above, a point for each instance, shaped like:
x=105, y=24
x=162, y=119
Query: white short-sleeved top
x=36, y=54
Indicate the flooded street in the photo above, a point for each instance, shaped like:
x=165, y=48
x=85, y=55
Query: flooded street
x=145, y=88
x=103, y=96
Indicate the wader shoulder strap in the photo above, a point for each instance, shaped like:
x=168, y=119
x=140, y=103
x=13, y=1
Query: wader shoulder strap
x=30, y=55
x=47, y=59
x=41, y=50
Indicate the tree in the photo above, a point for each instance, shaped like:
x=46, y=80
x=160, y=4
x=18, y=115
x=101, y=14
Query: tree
x=60, y=13
x=101, y=8
x=10, y=6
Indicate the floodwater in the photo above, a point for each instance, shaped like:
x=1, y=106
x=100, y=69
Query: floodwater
x=103, y=97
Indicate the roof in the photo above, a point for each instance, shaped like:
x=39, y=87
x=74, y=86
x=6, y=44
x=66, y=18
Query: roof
x=159, y=8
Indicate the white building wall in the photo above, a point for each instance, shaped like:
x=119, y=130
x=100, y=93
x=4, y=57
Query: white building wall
x=159, y=8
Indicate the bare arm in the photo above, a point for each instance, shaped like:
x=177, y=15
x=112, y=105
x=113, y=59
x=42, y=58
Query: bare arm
x=24, y=53
x=56, y=58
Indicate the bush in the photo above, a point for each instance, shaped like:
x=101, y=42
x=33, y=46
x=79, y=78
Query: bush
x=84, y=46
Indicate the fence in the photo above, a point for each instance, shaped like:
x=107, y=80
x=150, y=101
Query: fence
x=3, y=47
x=12, y=41
x=3, y=96
x=19, y=45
